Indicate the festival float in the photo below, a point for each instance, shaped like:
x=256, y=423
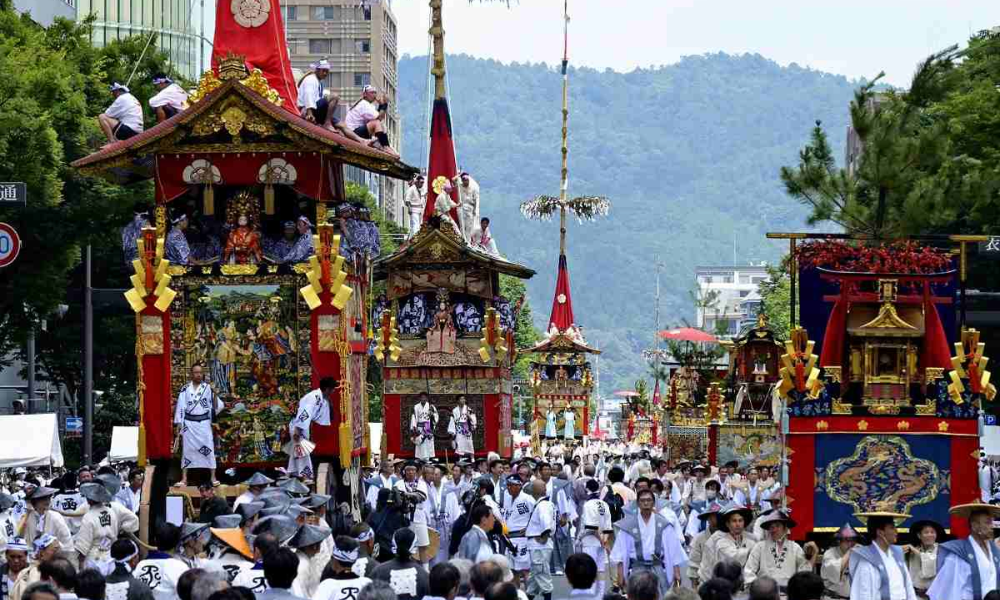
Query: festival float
x=442, y=327
x=561, y=375
x=238, y=163
x=889, y=412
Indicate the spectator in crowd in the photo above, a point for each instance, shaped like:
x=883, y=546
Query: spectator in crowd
x=90, y=585
x=805, y=586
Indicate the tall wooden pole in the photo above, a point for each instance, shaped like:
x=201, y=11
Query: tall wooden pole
x=437, y=35
x=564, y=183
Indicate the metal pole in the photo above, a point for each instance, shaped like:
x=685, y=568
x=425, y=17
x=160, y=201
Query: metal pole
x=31, y=365
x=792, y=273
x=88, y=365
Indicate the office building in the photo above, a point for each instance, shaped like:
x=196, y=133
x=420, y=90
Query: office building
x=729, y=296
x=44, y=12
x=359, y=41
x=178, y=25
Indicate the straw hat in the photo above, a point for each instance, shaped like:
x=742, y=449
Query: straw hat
x=964, y=511
x=234, y=538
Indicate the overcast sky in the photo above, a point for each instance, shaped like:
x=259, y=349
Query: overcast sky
x=856, y=38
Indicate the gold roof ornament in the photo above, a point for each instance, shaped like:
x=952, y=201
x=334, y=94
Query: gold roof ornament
x=233, y=67
x=799, y=371
x=969, y=363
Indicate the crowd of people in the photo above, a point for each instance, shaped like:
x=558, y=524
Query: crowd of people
x=616, y=525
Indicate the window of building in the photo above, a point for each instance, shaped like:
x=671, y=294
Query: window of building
x=744, y=293
x=319, y=46
x=727, y=279
x=363, y=46
x=757, y=279
x=322, y=13
x=289, y=13
x=362, y=79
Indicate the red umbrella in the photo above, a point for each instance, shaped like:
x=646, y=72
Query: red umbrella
x=688, y=334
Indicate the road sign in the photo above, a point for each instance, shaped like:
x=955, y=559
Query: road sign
x=990, y=249
x=10, y=244
x=74, y=426
x=13, y=192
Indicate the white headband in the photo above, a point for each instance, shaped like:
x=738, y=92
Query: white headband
x=413, y=546
x=365, y=535
x=135, y=552
x=343, y=556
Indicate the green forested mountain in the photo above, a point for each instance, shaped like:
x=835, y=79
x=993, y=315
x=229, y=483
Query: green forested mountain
x=689, y=155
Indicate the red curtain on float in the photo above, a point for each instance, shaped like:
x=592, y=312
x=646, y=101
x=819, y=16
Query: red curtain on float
x=562, y=311
x=442, y=157
x=317, y=176
x=325, y=364
x=158, y=398
x=260, y=37
x=832, y=354
x=935, y=352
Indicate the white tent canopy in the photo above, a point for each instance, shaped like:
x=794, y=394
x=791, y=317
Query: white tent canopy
x=30, y=441
x=124, y=444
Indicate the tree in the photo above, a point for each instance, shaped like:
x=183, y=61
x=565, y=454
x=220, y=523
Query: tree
x=525, y=332
x=775, y=293
x=909, y=178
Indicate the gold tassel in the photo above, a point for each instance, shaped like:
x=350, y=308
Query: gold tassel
x=269, y=199
x=209, y=200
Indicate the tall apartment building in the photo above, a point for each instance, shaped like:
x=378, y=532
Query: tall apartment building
x=359, y=41
x=175, y=22
x=738, y=297
x=44, y=12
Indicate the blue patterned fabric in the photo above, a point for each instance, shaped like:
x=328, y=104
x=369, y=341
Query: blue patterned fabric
x=130, y=235
x=855, y=471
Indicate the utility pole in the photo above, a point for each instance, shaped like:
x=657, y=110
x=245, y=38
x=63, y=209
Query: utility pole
x=88, y=364
x=30, y=348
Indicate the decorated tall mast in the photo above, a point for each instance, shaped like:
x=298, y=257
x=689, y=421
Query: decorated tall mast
x=444, y=329
x=561, y=373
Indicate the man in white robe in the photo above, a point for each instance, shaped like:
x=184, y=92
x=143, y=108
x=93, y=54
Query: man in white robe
x=194, y=414
x=468, y=202
x=443, y=509
x=646, y=542
x=461, y=427
x=169, y=100
x=423, y=422
x=877, y=570
x=955, y=579
x=443, y=204
x=416, y=197
x=314, y=407
x=417, y=488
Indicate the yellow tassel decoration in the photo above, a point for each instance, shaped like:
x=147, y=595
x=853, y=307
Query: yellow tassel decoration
x=269, y=199
x=209, y=200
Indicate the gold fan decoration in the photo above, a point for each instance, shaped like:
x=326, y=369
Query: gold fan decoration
x=150, y=276
x=388, y=339
x=799, y=371
x=492, y=344
x=969, y=363
x=326, y=272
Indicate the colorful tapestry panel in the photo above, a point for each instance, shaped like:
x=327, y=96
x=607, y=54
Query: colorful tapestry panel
x=748, y=445
x=253, y=340
x=899, y=473
x=687, y=443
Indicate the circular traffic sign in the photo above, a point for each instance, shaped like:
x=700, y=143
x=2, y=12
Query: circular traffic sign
x=10, y=244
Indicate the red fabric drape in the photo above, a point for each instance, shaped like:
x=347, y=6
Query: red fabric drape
x=316, y=176
x=263, y=46
x=158, y=414
x=836, y=330
x=562, y=312
x=935, y=351
x=442, y=157
x=325, y=364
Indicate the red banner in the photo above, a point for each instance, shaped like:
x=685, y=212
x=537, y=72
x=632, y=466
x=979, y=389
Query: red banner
x=254, y=29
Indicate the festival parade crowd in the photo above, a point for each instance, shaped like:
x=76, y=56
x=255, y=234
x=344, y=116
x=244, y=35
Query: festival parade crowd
x=618, y=520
